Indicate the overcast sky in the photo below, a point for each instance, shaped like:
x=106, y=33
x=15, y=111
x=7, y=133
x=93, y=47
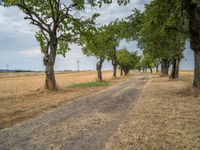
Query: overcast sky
x=20, y=50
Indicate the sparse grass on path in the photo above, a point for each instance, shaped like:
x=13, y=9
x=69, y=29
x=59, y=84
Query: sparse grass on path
x=89, y=84
x=167, y=116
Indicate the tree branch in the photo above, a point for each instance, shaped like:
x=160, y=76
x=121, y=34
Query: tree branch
x=29, y=11
x=65, y=11
x=180, y=30
x=52, y=10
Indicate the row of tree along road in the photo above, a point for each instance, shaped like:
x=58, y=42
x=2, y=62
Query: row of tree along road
x=161, y=31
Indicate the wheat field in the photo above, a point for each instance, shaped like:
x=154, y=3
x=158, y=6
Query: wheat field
x=20, y=98
x=18, y=84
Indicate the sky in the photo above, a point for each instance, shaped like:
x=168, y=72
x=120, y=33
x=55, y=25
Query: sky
x=20, y=50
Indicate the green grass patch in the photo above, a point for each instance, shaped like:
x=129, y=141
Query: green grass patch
x=89, y=84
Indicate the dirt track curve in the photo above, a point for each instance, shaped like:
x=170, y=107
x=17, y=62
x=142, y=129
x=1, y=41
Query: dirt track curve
x=84, y=124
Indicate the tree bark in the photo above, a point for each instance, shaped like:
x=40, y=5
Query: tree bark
x=196, y=81
x=175, y=69
x=164, y=67
x=121, y=72
x=193, y=14
x=114, y=64
x=126, y=71
x=98, y=68
x=157, y=66
x=49, y=61
x=145, y=69
x=150, y=69
x=114, y=71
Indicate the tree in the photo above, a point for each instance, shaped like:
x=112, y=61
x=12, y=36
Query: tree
x=58, y=26
x=98, y=43
x=127, y=60
x=114, y=32
x=147, y=62
x=157, y=64
x=192, y=11
x=155, y=37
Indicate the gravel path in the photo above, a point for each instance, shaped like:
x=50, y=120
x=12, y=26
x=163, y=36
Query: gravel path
x=84, y=124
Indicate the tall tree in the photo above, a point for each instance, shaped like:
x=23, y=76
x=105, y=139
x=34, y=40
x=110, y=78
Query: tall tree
x=127, y=60
x=114, y=32
x=58, y=26
x=156, y=38
x=98, y=43
x=147, y=62
x=192, y=11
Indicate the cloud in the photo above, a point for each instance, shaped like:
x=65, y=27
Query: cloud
x=31, y=53
x=15, y=33
x=142, y=2
x=20, y=50
x=113, y=11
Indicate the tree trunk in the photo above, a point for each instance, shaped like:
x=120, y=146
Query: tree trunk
x=143, y=70
x=114, y=71
x=49, y=61
x=193, y=14
x=98, y=68
x=114, y=63
x=164, y=67
x=196, y=81
x=157, y=67
x=175, y=69
x=121, y=72
x=157, y=64
x=126, y=71
x=150, y=69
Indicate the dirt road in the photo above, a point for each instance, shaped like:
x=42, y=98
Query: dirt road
x=84, y=124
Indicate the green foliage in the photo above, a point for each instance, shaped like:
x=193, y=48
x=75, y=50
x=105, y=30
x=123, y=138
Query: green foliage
x=98, y=43
x=147, y=61
x=39, y=37
x=132, y=27
x=127, y=59
x=196, y=1
x=115, y=32
x=160, y=30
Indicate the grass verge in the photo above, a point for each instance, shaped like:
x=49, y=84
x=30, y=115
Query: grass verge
x=89, y=84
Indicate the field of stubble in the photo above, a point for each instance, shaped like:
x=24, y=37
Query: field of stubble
x=22, y=97
x=24, y=83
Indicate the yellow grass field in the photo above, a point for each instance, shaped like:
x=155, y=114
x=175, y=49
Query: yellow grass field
x=20, y=98
x=20, y=84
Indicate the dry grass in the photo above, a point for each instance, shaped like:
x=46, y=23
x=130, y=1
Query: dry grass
x=19, y=84
x=167, y=116
x=71, y=129
x=20, y=99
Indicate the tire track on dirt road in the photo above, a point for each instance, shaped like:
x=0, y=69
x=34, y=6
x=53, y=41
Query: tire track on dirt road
x=85, y=124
